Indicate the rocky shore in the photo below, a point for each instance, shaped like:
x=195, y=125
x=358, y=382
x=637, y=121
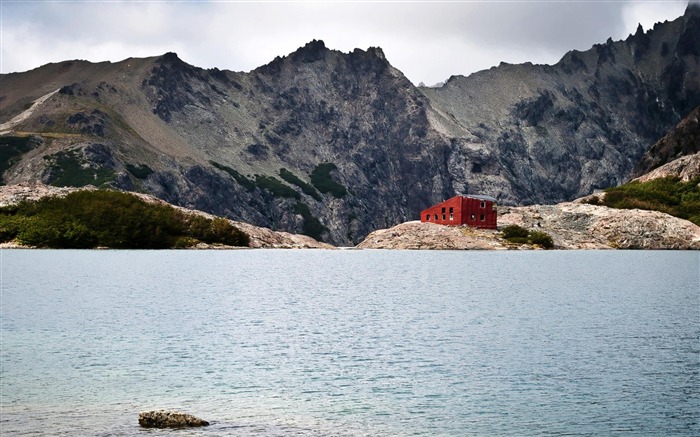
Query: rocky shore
x=576, y=225
x=572, y=225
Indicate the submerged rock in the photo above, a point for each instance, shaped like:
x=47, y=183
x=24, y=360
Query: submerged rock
x=169, y=419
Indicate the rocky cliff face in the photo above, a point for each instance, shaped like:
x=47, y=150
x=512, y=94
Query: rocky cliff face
x=545, y=134
x=680, y=148
x=336, y=145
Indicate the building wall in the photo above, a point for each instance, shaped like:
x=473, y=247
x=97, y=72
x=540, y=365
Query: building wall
x=460, y=210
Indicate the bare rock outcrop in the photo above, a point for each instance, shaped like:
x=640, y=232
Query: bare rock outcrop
x=261, y=238
x=571, y=225
x=574, y=225
x=417, y=235
x=169, y=419
x=13, y=194
x=686, y=167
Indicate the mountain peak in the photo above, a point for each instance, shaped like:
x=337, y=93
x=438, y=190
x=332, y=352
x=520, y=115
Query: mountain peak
x=311, y=52
x=170, y=57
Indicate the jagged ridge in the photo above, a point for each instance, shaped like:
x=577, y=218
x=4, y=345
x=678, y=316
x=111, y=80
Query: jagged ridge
x=212, y=139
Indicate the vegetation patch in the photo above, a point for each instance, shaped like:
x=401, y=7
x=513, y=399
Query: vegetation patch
x=669, y=195
x=276, y=187
x=140, y=171
x=312, y=226
x=69, y=169
x=242, y=180
x=269, y=183
x=11, y=150
x=519, y=235
x=323, y=181
x=294, y=180
x=102, y=218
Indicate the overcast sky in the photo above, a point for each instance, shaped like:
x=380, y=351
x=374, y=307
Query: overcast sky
x=427, y=41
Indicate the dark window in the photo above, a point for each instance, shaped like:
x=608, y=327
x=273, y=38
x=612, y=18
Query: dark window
x=427, y=217
x=443, y=210
x=483, y=204
x=483, y=217
x=452, y=210
x=443, y=216
x=435, y=216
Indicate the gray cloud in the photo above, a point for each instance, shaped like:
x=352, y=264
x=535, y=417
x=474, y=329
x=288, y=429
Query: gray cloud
x=427, y=41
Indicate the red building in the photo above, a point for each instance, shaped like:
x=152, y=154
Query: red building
x=470, y=210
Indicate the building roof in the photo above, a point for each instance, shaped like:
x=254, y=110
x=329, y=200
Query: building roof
x=480, y=197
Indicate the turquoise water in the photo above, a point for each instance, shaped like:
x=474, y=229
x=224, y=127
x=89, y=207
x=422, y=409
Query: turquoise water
x=351, y=343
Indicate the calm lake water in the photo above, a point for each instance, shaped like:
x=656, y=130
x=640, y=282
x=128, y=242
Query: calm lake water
x=351, y=343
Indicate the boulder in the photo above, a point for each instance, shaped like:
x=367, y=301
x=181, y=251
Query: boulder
x=169, y=419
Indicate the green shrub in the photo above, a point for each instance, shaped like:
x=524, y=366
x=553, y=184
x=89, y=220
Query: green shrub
x=514, y=231
x=218, y=230
x=113, y=219
x=9, y=227
x=541, y=239
x=294, y=179
x=70, y=170
x=323, y=181
x=519, y=240
x=139, y=171
x=669, y=195
x=276, y=187
x=519, y=235
x=242, y=180
x=593, y=200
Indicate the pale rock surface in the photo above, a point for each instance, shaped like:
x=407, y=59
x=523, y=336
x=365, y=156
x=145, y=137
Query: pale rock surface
x=686, y=167
x=417, y=235
x=572, y=225
x=575, y=225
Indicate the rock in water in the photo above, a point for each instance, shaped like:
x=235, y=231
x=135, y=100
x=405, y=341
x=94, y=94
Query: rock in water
x=169, y=419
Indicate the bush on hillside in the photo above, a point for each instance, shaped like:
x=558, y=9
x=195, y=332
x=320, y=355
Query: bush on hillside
x=85, y=219
x=294, y=179
x=541, y=239
x=139, y=171
x=69, y=169
x=323, y=181
x=669, y=195
x=519, y=235
x=276, y=187
x=514, y=231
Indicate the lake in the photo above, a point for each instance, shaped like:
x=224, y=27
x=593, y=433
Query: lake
x=351, y=343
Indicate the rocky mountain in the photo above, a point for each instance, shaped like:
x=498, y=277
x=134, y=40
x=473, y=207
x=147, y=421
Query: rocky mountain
x=336, y=145
x=674, y=152
x=543, y=134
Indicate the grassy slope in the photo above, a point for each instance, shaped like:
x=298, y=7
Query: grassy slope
x=669, y=195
